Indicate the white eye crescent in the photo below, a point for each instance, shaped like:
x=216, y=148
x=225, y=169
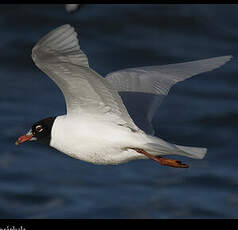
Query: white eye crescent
x=39, y=128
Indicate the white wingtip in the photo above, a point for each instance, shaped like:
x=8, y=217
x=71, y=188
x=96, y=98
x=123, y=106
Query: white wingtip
x=221, y=60
x=61, y=43
x=60, y=38
x=193, y=152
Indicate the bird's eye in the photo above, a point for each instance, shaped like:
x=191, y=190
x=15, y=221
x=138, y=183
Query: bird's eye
x=39, y=128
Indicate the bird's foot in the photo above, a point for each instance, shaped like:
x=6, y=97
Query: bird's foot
x=171, y=163
x=161, y=160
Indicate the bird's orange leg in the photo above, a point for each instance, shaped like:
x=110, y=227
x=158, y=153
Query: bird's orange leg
x=161, y=160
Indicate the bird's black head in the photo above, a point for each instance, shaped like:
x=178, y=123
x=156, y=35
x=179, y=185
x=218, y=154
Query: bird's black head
x=40, y=131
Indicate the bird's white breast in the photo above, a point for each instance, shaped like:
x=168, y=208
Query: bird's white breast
x=100, y=142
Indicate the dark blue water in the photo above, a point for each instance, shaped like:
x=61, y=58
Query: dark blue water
x=39, y=182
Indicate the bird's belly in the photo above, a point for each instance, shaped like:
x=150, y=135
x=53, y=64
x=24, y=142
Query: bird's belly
x=98, y=151
x=97, y=143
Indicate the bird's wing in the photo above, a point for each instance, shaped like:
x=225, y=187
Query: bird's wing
x=152, y=84
x=58, y=54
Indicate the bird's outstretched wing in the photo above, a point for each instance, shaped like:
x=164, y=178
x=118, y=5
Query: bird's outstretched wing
x=152, y=83
x=58, y=54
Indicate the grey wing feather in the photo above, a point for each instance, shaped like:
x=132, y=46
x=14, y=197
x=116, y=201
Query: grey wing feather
x=157, y=80
x=58, y=55
x=61, y=44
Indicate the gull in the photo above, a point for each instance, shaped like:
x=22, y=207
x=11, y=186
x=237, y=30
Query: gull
x=100, y=126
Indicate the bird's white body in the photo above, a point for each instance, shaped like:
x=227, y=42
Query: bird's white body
x=97, y=142
x=104, y=142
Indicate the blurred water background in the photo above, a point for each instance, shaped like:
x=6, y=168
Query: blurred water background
x=39, y=182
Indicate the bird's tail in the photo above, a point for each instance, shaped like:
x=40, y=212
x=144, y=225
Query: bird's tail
x=158, y=146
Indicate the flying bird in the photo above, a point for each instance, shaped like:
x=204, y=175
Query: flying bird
x=101, y=125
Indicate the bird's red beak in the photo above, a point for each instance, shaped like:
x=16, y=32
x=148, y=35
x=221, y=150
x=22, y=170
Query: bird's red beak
x=23, y=138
